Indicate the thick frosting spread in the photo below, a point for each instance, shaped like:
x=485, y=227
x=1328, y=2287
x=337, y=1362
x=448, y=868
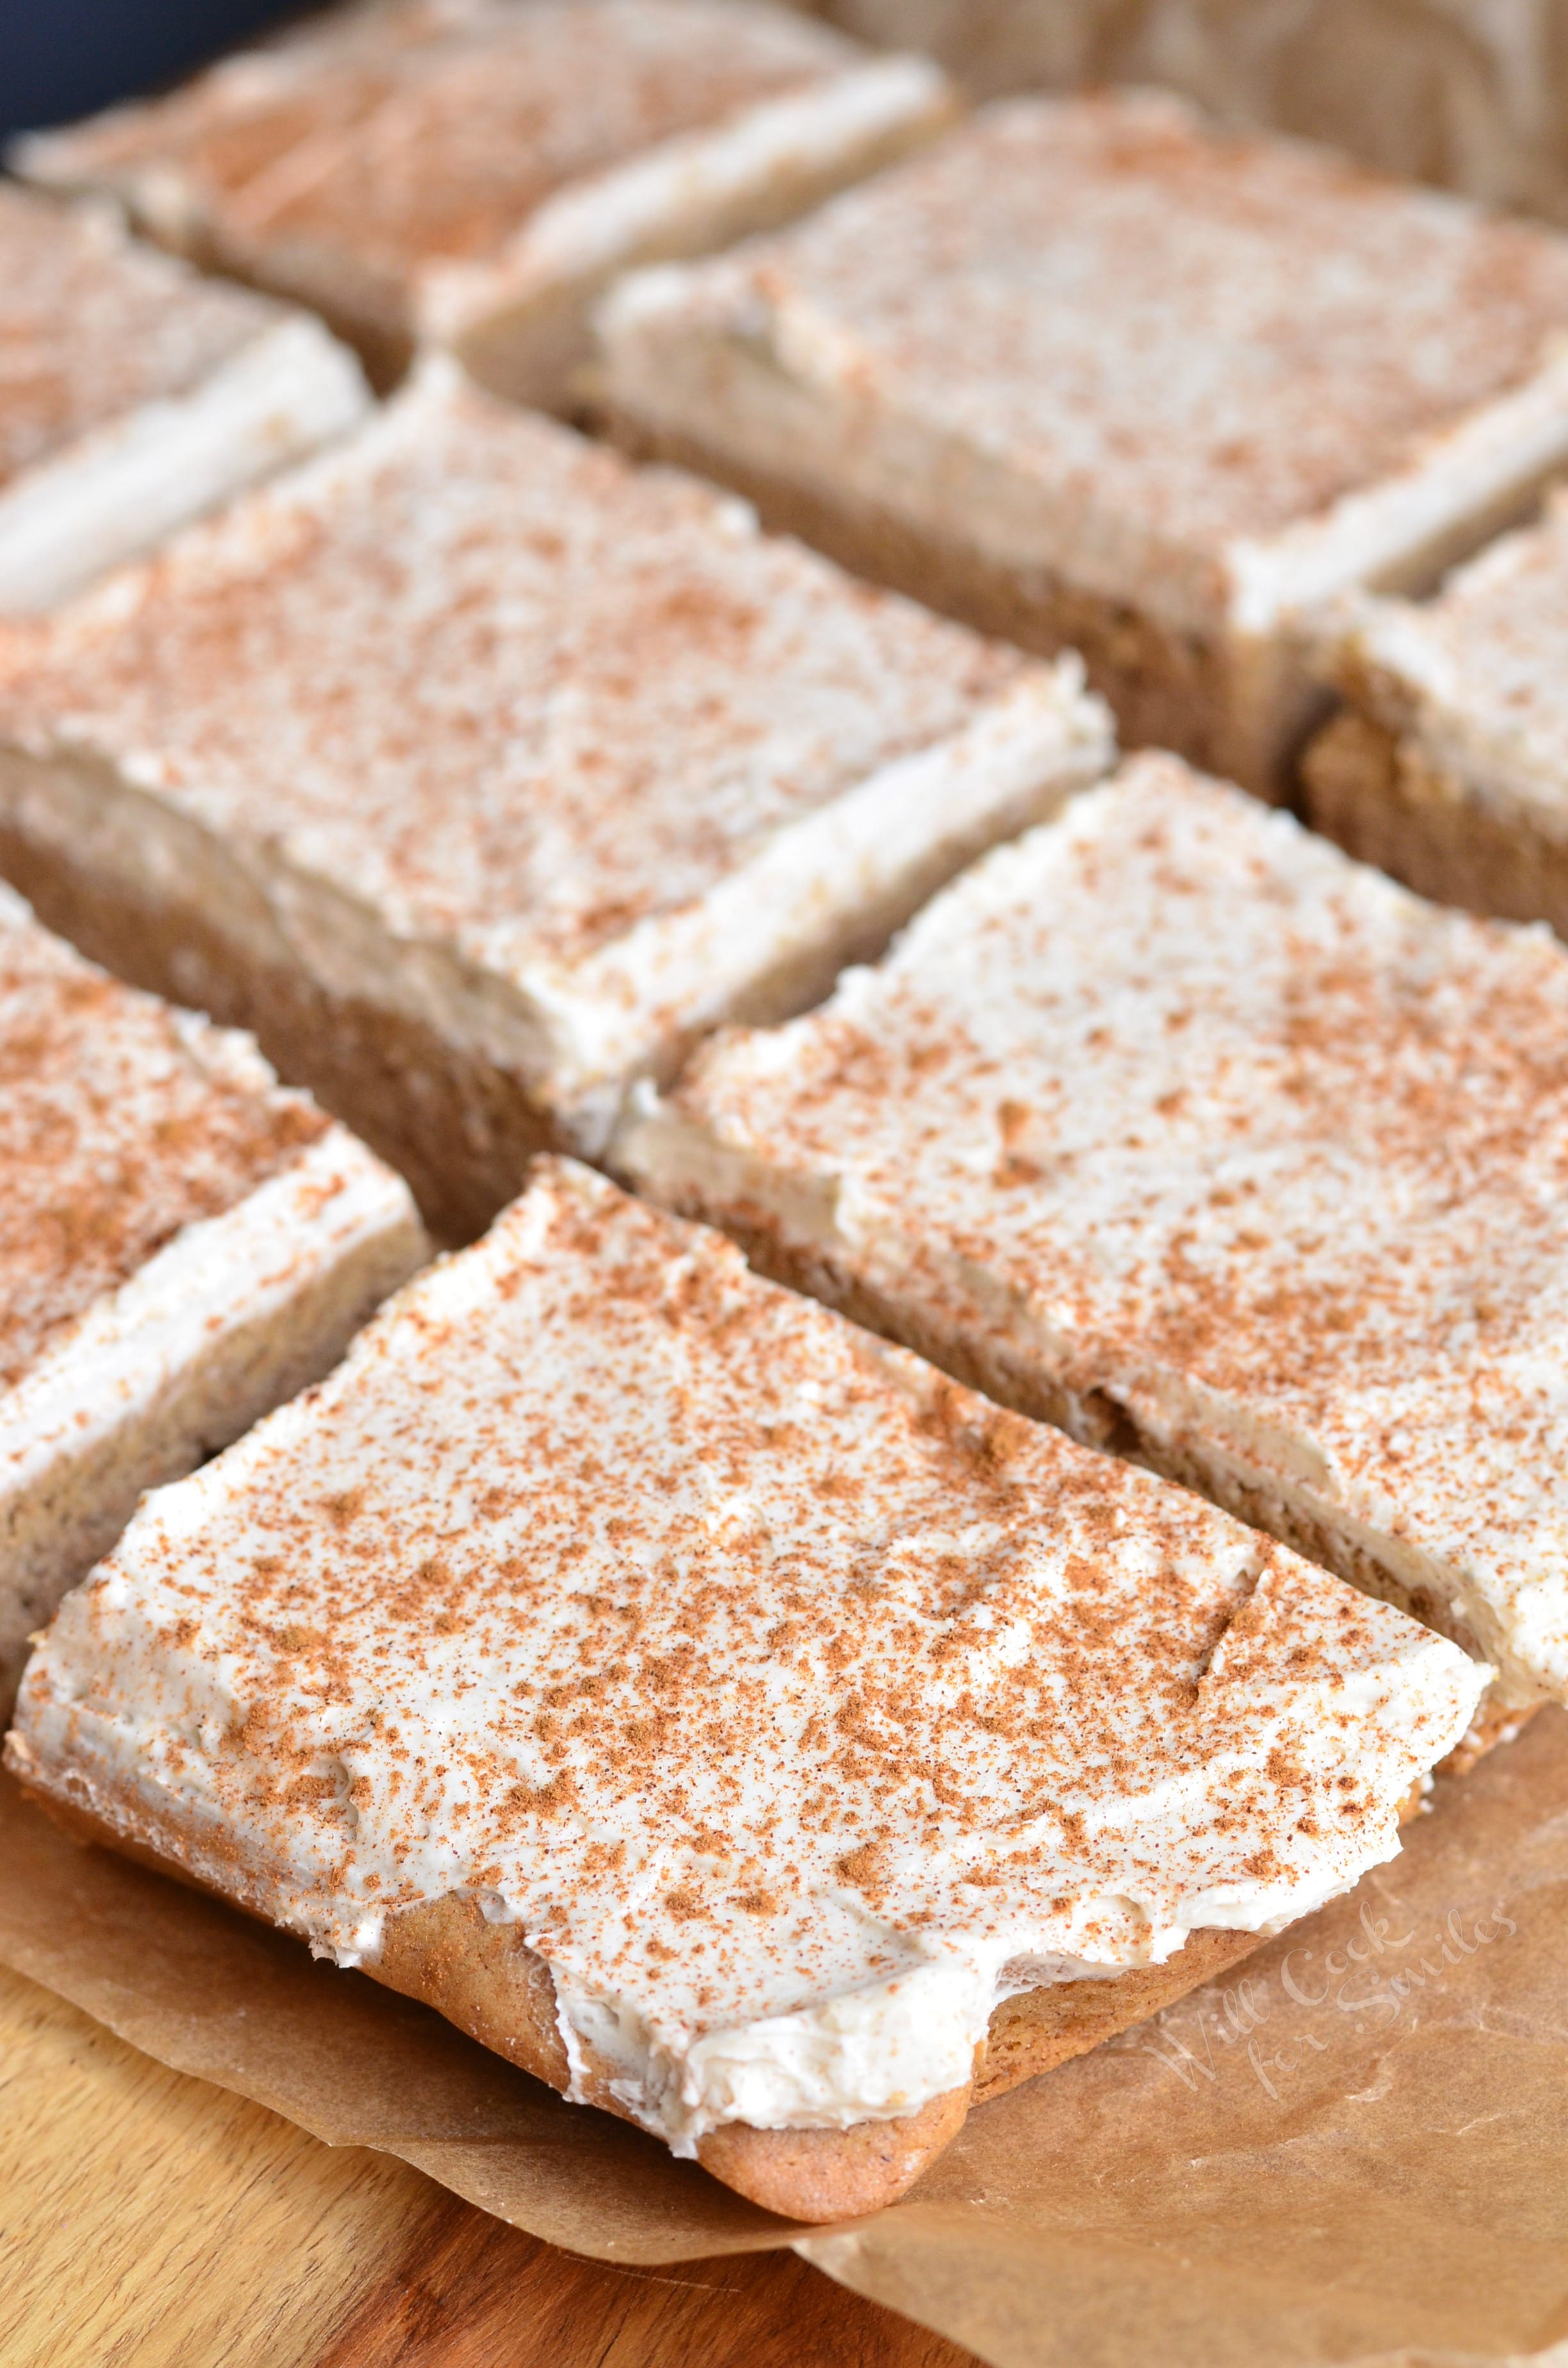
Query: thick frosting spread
x=121, y=1122
x=477, y=710
x=1174, y=1106
x=1479, y=676
x=407, y=136
x=1088, y=334
x=330, y=1232
x=482, y=674
x=794, y=1703
x=681, y=195
x=93, y=326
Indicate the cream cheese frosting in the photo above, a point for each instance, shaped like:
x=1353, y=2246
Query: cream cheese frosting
x=1173, y=343
x=794, y=1703
x=381, y=165
x=1172, y=1116
x=181, y=1244
x=123, y=1350
x=522, y=322
x=1217, y=378
x=121, y=1121
x=312, y=136
x=136, y=394
x=566, y=760
x=1477, y=676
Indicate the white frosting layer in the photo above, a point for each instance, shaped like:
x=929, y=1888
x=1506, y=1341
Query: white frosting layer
x=1060, y=341
x=350, y=162
x=182, y=1244
x=219, y=1276
x=671, y=192
x=781, y=393
x=1400, y=534
x=116, y=492
x=756, y=1675
x=1171, y=1108
x=784, y=922
x=685, y=196
x=565, y=761
x=1478, y=676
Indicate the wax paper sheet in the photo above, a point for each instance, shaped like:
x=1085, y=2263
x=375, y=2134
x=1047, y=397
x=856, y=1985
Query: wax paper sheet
x=1353, y=2149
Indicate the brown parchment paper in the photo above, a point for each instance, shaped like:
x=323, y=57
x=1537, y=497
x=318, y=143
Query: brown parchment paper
x=1472, y=94
x=1354, y=2149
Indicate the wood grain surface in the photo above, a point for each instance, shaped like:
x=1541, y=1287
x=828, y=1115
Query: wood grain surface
x=151, y=2221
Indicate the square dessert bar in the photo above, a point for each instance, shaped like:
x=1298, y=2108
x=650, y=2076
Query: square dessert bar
x=1175, y=1126
x=476, y=171
x=1089, y=375
x=719, y=1712
x=1449, y=766
x=477, y=771
x=135, y=395
x=181, y=1245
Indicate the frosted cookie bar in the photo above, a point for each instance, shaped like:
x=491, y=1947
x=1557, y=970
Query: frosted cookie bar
x=1449, y=766
x=1087, y=374
x=134, y=396
x=181, y=1245
x=476, y=171
x=1172, y=1125
x=477, y=771
x=721, y=1714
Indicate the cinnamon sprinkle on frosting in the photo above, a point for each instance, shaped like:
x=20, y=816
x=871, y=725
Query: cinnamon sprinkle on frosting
x=427, y=132
x=1479, y=676
x=492, y=682
x=1192, y=335
x=92, y=326
x=120, y=1121
x=1175, y=1109
x=791, y=1701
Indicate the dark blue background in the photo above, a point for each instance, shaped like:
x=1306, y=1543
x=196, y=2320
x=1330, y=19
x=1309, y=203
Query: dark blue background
x=62, y=58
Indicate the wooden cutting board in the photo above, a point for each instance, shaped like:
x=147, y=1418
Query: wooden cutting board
x=151, y=2221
